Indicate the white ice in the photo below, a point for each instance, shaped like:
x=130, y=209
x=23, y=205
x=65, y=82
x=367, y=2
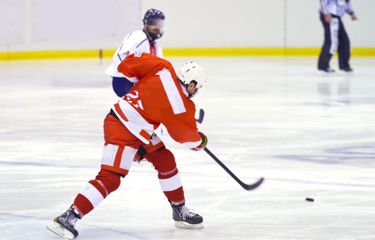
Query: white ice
x=308, y=135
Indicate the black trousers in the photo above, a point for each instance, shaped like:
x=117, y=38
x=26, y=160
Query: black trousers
x=335, y=39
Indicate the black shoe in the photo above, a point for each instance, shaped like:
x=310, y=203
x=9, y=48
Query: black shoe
x=185, y=218
x=327, y=70
x=63, y=225
x=347, y=69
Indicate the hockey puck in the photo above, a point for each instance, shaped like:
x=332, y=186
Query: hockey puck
x=309, y=199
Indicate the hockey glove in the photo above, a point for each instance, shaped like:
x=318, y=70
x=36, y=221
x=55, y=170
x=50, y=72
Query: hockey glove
x=203, y=144
x=140, y=154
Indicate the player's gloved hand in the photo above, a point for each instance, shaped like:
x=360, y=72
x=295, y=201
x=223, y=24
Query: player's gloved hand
x=140, y=154
x=203, y=144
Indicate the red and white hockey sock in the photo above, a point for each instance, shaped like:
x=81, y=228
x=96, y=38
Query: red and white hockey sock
x=172, y=186
x=96, y=190
x=169, y=178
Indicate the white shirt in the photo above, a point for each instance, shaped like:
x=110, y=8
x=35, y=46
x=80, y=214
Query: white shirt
x=133, y=42
x=336, y=7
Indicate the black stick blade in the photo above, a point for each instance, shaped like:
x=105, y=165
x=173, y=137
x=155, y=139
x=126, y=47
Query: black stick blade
x=253, y=186
x=247, y=187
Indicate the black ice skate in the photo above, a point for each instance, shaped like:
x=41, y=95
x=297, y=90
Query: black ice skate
x=326, y=70
x=63, y=225
x=185, y=218
x=347, y=69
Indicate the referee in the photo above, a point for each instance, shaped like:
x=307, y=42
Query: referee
x=335, y=36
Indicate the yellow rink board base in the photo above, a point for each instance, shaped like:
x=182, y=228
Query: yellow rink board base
x=177, y=52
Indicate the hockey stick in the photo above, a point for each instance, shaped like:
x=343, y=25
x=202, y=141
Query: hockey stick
x=247, y=187
x=201, y=116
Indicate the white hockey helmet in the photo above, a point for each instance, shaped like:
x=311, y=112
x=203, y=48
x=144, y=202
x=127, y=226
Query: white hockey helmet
x=191, y=71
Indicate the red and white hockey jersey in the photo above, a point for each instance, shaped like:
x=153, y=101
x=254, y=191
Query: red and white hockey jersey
x=158, y=97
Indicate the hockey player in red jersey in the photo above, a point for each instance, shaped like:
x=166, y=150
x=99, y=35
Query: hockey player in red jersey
x=160, y=96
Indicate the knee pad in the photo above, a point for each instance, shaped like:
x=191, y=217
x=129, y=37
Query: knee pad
x=110, y=180
x=163, y=161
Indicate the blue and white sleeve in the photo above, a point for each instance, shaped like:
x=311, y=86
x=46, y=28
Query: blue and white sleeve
x=323, y=7
x=349, y=8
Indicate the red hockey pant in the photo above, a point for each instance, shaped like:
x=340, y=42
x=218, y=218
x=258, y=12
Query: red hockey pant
x=118, y=155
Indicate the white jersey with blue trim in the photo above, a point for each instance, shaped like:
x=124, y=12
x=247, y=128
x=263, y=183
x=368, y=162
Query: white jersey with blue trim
x=336, y=7
x=133, y=42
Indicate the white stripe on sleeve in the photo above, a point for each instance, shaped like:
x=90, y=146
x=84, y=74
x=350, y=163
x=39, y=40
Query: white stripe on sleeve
x=172, y=92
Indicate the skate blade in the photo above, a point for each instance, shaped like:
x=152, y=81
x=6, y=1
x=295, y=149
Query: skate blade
x=325, y=74
x=343, y=73
x=62, y=232
x=182, y=224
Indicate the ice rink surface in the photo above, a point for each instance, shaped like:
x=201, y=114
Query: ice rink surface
x=308, y=135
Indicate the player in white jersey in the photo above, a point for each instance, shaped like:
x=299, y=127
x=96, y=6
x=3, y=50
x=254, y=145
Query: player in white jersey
x=143, y=40
x=139, y=41
x=335, y=35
